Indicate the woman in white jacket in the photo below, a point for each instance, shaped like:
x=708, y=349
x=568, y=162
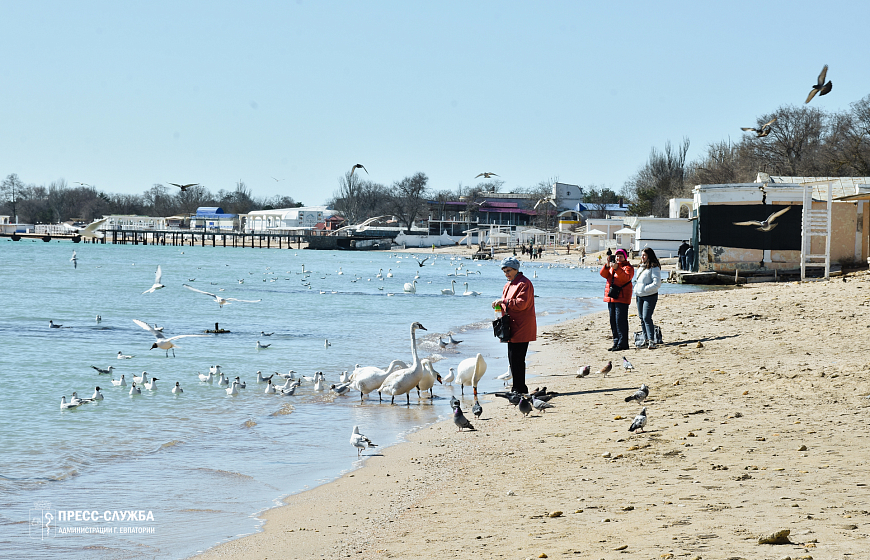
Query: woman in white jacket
x=646, y=289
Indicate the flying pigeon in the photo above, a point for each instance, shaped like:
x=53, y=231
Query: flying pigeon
x=360, y=441
x=358, y=166
x=184, y=187
x=460, y=420
x=583, y=372
x=639, y=421
x=766, y=225
x=640, y=395
x=606, y=369
x=626, y=364
x=821, y=87
x=488, y=174
x=761, y=132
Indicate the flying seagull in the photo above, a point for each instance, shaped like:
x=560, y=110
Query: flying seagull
x=184, y=187
x=767, y=224
x=162, y=342
x=821, y=87
x=221, y=301
x=90, y=230
x=157, y=284
x=545, y=200
x=358, y=166
x=640, y=395
x=74, y=260
x=419, y=262
x=486, y=175
x=763, y=131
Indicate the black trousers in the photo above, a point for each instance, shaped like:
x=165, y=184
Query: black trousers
x=517, y=360
x=619, y=324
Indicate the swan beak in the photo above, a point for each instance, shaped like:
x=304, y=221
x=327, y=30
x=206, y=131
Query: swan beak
x=439, y=379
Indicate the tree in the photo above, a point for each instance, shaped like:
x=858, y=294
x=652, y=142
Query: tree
x=409, y=198
x=793, y=147
x=596, y=200
x=10, y=189
x=349, y=198
x=659, y=180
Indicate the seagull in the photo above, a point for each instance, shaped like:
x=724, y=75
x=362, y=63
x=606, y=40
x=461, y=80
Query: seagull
x=767, y=224
x=460, y=420
x=761, y=132
x=177, y=389
x=151, y=385
x=141, y=379
x=97, y=396
x=68, y=405
x=340, y=389
x=52, y=325
x=264, y=333
x=583, y=372
x=441, y=343
x=419, y=262
x=120, y=382
x=540, y=404
x=184, y=187
x=639, y=421
x=241, y=383
x=270, y=389
x=525, y=406
x=207, y=378
x=288, y=375
x=288, y=391
x=821, y=87
x=606, y=369
x=162, y=342
x=326, y=343
x=486, y=175
x=261, y=346
x=452, y=340
x=477, y=410
x=99, y=319
x=360, y=441
x=261, y=379
x=626, y=364
x=223, y=380
x=505, y=376
x=157, y=285
x=234, y=390
x=74, y=260
x=358, y=166
x=90, y=230
x=124, y=356
x=221, y=301
x=640, y=395
x=102, y=371
x=545, y=200
x=134, y=390
x=451, y=375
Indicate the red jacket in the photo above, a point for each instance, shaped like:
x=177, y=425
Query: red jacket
x=519, y=296
x=622, y=276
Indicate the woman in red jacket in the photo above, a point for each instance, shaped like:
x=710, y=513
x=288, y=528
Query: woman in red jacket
x=617, y=294
x=518, y=301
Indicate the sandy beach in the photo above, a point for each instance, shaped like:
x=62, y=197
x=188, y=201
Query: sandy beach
x=757, y=424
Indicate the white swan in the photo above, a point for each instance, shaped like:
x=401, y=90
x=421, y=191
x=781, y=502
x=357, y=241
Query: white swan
x=469, y=292
x=390, y=273
x=402, y=381
x=380, y=273
x=449, y=291
x=369, y=378
x=469, y=372
x=427, y=381
x=411, y=287
x=339, y=271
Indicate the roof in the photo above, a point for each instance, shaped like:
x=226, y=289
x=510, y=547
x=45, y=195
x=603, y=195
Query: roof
x=595, y=232
x=210, y=210
x=842, y=186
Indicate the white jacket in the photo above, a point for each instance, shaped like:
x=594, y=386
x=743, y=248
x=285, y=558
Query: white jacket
x=647, y=281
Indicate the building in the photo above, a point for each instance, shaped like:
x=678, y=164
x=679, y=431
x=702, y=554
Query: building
x=285, y=219
x=567, y=196
x=213, y=218
x=133, y=222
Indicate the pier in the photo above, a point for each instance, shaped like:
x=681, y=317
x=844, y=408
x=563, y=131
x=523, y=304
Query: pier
x=175, y=238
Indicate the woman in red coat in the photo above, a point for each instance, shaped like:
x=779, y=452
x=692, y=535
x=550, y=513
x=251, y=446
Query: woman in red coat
x=518, y=301
x=619, y=274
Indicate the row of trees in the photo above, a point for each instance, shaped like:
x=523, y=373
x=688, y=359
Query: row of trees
x=803, y=142
x=59, y=202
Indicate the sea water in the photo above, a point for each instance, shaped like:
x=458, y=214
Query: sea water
x=164, y=476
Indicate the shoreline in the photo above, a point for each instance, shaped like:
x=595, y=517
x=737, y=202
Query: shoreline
x=756, y=424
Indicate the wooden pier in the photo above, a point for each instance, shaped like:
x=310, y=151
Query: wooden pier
x=177, y=238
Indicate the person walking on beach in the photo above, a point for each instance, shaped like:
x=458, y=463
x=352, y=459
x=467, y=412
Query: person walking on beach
x=646, y=290
x=617, y=294
x=518, y=301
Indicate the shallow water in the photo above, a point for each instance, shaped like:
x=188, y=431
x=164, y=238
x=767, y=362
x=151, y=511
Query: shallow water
x=204, y=463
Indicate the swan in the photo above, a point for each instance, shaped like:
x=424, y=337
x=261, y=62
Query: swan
x=402, y=381
x=390, y=273
x=449, y=377
x=411, y=287
x=369, y=378
x=469, y=372
x=430, y=376
x=470, y=292
x=339, y=271
x=380, y=273
x=449, y=291
x=417, y=276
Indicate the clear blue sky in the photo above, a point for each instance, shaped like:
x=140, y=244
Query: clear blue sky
x=122, y=95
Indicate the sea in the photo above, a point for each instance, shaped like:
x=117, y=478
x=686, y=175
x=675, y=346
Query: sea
x=164, y=476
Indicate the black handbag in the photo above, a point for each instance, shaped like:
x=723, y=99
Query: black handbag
x=501, y=327
x=614, y=291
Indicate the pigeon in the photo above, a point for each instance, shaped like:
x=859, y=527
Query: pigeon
x=583, y=372
x=454, y=402
x=767, y=224
x=763, y=131
x=821, y=87
x=102, y=371
x=640, y=395
x=626, y=364
x=541, y=405
x=184, y=187
x=460, y=420
x=358, y=166
x=477, y=410
x=512, y=397
x=360, y=441
x=525, y=406
x=639, y=421
x=486, y=175
x=606, y=369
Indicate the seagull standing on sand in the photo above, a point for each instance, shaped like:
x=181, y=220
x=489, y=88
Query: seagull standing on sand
x=360, y=441
x=640, y=395
x=157, y=284
x=162, y=342
x=221, y=301
x=639, y=421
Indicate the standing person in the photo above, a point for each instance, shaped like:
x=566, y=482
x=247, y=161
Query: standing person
x=690, y=259
x=681, y=253
x=646, y=290
x=617, y=294
x=518, y=301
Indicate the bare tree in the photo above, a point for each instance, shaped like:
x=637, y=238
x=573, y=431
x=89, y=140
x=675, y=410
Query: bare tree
x=10, y=190
x=409, y=198
x=349, y=200
x=659, y=180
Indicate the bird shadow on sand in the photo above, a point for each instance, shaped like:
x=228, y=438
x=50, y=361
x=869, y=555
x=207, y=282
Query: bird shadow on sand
x=596, y=391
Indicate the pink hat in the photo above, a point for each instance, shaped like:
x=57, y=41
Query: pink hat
x=624, y=253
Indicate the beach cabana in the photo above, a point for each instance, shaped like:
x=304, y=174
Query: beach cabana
x=593, y=240
x=625, y=238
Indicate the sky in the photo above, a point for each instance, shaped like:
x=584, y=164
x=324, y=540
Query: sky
x=288, y=95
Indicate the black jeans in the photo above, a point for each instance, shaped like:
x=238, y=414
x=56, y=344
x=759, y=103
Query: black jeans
x=619, y=324
x=517, y=360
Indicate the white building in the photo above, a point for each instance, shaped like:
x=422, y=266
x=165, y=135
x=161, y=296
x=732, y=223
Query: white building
x=133, y=222
x=567, y=195
x=662, y=235
x=283, y=219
